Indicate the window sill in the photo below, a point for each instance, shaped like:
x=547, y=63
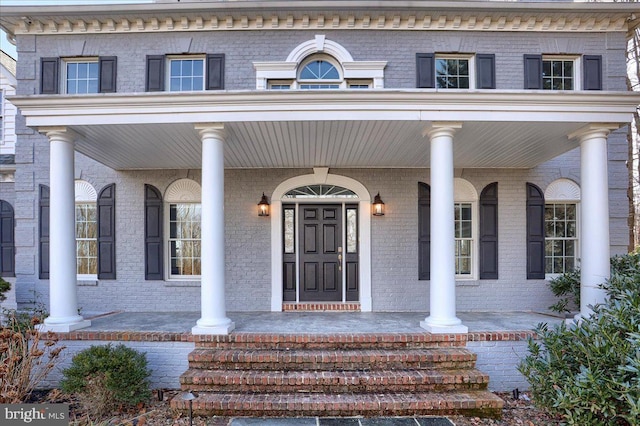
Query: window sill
x=182, y=283
x=87, y=282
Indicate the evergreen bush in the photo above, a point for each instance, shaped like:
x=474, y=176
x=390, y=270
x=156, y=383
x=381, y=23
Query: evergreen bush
x=108, y=378
x=589, y=372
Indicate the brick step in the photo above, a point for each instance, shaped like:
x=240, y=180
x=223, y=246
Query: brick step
x=476, y=403
x=330, y=341
x=329, y=360
x=333, y=381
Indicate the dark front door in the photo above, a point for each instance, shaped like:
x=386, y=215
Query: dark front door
x=320, y=253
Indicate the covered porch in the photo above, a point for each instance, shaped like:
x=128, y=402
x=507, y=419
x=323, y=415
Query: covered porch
x=381, y=128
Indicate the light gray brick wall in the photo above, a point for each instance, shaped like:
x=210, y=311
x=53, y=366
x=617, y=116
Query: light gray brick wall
x=500, y=361
x=241, y=48
x=394, y=241
x=166, y=360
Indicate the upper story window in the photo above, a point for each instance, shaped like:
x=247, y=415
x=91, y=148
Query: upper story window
x=558, y=73
x=455, y=71
x=81, y=76
x=319, y=64
x=563, y=72
x=184, y=73
x=78, y=75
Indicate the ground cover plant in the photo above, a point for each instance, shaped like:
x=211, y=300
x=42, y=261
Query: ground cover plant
x=589, y=372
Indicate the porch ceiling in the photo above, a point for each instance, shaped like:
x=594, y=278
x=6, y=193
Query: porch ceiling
x=377, y=129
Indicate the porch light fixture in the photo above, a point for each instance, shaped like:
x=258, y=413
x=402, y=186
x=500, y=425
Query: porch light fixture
x=378, y=206
x=263, y=206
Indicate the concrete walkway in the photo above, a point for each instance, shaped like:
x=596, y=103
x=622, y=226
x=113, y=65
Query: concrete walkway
x=316, y=322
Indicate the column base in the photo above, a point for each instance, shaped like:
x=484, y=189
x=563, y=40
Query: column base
x=223, y=329
x=63, y=327
x=444, y=328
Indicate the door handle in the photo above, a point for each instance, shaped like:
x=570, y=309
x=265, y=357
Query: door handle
x=339, y=258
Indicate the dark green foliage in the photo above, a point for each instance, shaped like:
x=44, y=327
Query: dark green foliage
x=4, y=287
x=590, y=372
x=567, y=288
x=108, y=377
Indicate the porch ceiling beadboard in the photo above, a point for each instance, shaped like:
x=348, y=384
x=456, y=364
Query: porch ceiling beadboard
x=379, y=128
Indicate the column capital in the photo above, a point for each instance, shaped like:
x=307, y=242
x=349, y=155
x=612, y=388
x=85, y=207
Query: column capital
x=594, y=130
x=442, y=128
x=215, y=130
x=62, y=133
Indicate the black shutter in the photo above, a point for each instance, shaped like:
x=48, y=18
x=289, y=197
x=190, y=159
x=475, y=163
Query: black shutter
x=7, y=240
x=533, y=72
x=107, y=233
x=153, y=257
x=424, y=231
x=592, y=65
x=49, y=70
x=425, y=70
x=535, y=232
x=108, y=71
x=155, y=73
x=215, y=72
x=43, y=224
x=489, y=232
x=486, y=71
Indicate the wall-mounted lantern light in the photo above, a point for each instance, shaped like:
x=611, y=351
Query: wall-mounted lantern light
x=263, y=206
x=378, y=206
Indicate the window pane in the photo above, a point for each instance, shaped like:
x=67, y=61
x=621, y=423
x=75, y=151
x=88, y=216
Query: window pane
x=441, y=66
x=83, y=71
x=556, y=68
x=184, y=238
x=571, y=229
x=352, y=231
x=72, y=71
x=546, y=68
x=463, y=83
x=93, y=70
x=289, y=230
x=466, y=212
x=466, y=230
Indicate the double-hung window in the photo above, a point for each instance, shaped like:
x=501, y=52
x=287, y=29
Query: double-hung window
x=561, y=237
x=81, y=76
x=463, y=227
x=563, y=72
x=86, y=230
x=184, y=239
x=186, y=74
x=558, y=73
x=455, y=71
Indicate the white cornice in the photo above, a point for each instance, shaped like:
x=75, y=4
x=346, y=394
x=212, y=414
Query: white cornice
x=390, y=105
x=384, y=15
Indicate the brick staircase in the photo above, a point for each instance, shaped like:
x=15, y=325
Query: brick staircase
x=294, y=375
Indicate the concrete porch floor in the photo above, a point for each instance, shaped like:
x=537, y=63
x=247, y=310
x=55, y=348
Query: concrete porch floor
x=316, y=322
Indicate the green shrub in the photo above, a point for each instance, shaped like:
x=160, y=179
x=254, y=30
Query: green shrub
x=108, y=378
x=4, y=287
x=590, y=372
x=567, y=288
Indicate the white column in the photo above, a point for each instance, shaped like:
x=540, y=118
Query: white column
x=442, y=301
x=63, y=298
x=594, y=229
x=213, y=318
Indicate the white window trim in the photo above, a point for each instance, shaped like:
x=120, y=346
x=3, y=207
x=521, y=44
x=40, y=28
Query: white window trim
x=565, y=191
x=63, y=71
x=577, y=67
x=181, y=191
x=465, y=192
x=472, y=68
x=288, y=69
x=167, y=77
x=85, y=193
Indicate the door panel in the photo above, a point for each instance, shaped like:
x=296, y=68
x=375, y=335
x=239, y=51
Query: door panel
x=321, y=239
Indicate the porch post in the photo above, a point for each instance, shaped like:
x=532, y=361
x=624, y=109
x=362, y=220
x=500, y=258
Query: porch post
x=213, y=318
x=442, y=310
x=594, y=230
x=63, y=298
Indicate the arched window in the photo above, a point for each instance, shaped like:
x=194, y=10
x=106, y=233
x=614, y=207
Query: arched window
x=561, y=221
x=465, y=227
x=320, y=191
x=319, y=72
x=183, y=213
x=86, y=230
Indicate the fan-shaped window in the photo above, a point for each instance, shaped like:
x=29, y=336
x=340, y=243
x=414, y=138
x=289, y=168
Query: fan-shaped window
x=320, y=191
x=319, y=73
